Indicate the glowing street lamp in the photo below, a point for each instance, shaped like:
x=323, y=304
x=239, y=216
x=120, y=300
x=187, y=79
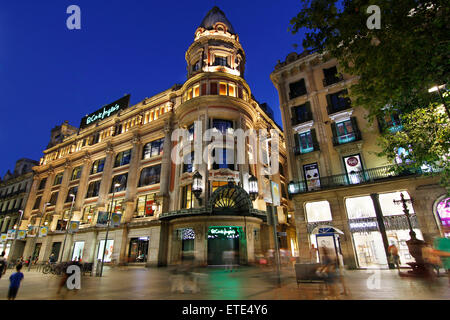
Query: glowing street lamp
x=253, y=187
x=197, y=185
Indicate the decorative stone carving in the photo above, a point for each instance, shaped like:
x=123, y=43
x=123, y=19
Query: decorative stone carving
x=136, y=139
x=109, y=148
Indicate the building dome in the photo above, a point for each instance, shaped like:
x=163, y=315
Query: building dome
x=213, y=16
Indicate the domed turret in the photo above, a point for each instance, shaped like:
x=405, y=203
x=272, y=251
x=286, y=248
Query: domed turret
x=216, y=47
x=212, y=17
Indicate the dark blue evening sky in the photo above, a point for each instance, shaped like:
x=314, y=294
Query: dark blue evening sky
x=49, y=74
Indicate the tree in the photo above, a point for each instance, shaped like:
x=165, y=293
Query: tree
x=395, y=64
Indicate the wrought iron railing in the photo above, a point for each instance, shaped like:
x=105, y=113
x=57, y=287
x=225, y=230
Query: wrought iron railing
x=356, y=178
x=346, y=138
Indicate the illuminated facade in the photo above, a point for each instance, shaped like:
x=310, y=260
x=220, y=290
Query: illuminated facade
x=337, y=179
x=14, y=190
x=121, y=157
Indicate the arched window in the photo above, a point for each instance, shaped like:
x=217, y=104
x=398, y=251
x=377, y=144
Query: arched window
x=150, y=175
x=123, y=158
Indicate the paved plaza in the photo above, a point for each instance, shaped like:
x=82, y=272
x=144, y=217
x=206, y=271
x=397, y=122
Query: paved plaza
x=246, y=283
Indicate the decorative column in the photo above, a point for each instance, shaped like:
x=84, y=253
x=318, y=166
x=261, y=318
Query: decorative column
x=62, y=193
x=106, y=177
x=83, y=185
x=166, y=163
x=48, y=187
x=130, y=195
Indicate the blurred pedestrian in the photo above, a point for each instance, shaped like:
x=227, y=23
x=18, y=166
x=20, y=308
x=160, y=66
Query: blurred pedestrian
x=394, y=258
x=313, y=254
x=52, y=258
x=228, y=259
x=14, y=282
x=442, y=249
x=64, y=277
x=3, y=263
x=329, y=273
x=432, y=260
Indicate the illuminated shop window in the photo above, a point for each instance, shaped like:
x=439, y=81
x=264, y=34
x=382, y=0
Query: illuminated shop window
x=187, y=200
x=123, y=158
x=58, y=179
x=217, y=184
x=222, y=89
x=145, y=205
x=150, y=175
x=93, y=189
x=76, y=173
x=98, y=166
x=154, y=148
x=74, y=191
x=318, y=211
x=119, y=179
x=360, y=207
x=196, y=91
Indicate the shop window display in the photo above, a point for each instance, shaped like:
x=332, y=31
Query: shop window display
x=108, y=252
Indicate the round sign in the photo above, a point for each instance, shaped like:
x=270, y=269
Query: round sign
x=352, y=161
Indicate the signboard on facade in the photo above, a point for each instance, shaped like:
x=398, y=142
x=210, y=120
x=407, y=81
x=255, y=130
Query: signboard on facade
x=105, y=112
x=3, y=237
x=74, y=226
x=102, y=218
x=312, y=176
x=22, y=234
x=11, y=233
x=43, y=232
x=275, y=189
x=115, y=220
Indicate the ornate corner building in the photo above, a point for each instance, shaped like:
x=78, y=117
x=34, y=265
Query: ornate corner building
x=120, y=161
x=337, y=181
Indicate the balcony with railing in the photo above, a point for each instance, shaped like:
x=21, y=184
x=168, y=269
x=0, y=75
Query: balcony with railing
x=368, y=176
x=298, y=150
x=347, y=138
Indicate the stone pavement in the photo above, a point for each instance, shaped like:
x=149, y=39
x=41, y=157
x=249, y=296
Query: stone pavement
x=247, y=283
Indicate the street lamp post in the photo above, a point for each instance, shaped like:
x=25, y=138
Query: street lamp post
x=197, y=186
x=107, y=227
x=37, y=234
x=275, y=238
x=403, y=202
x=67, y=227
x=11, y=251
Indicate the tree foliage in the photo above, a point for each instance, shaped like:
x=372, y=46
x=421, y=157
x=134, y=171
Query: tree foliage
x=395, y=65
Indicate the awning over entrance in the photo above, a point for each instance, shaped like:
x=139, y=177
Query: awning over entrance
x=326, y=229
x=229, y=199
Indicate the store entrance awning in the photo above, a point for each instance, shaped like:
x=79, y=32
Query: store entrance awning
x=326, y=229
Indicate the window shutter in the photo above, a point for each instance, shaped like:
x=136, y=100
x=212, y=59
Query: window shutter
x=381, y=124
x=329, y=104
x=308, y=109
x=334, y=130
x=314, y=139
x=354, y=123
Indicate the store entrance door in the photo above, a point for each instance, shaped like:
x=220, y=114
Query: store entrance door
x=56, y=246
x=138, y=249
x=221, y=240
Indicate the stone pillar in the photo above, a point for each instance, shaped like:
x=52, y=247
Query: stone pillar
x=166, y=163
x=132, y=181
x=106, y=177
x=59, y=208
x=82, y=187
x=31, y=197
x=47, y=189
x=340, y=221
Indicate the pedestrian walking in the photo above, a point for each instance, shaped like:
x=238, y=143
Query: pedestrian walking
x=394, y=258
x=2, y=264
x=228, y=259
x=442, y=249
x=14, y=282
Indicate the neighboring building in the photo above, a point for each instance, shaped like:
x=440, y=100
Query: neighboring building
x=162, y=219
x=337, y=178
x=14, y=191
